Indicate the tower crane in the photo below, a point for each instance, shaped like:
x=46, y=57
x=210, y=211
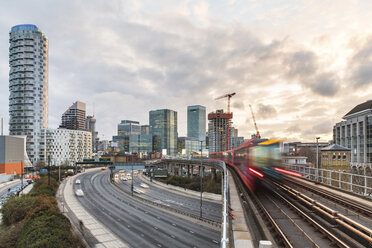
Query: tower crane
x=255, y=125
x=228, y=100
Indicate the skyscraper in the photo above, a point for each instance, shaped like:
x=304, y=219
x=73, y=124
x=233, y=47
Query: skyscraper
x=163, y=127
x=127, y=127
x=218, y=131
x=28, y=86
x=91, y=126
x=74, y=117
x=196, y=122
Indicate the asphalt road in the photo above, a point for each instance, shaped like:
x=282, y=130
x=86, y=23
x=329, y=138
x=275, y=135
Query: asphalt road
x=4, y=191
x=137, y=224
x=211, y=210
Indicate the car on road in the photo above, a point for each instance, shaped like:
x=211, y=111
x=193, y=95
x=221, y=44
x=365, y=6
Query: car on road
x=79, y=192
x=77, y=181
x=138, y=190
x=144, y=185
x=125, y=179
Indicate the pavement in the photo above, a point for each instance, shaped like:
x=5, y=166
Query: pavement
x=94, y=232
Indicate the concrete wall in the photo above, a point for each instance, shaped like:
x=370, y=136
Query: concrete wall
x=12, y=154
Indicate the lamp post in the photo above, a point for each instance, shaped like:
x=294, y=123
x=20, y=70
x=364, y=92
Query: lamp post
x=132, y=180
x=201, y=179
x=48, y=169
x=317, y=159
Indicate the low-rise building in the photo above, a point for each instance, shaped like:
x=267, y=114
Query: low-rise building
x=13, y=155
x=335, y=157
x=188, y=145
x=300, y=160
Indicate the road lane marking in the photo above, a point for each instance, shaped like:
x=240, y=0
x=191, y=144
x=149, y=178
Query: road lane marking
x=191, y=231
x=174, y=224
x=215, y=241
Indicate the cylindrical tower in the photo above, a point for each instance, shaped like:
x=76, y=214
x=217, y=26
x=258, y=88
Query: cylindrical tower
x=28, y=86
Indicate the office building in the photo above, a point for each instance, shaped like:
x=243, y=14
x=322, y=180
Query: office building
x=127, y=127
x=188, y=145
x=91, y=126
x=28, y=86
x=236, y=141
x=67, y=146
x=355, y=133
x=74, y=117
x=196, y=122
x=163, y=128
x=218, y=131
x=13, y=155
x=145, y=129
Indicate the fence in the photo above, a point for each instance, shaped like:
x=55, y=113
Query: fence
x=360, y=184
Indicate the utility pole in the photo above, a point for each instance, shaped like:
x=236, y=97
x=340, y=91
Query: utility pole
x=201, y=179
x=22, y=171
x=132, y=180
x=59, y=173
x=317, y=159
x=48, y=169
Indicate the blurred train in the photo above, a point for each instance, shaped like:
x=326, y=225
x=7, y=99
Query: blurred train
x=255, y=159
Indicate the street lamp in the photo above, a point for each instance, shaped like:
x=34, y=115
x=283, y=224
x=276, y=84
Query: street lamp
x=201, y=179
x=317, y=159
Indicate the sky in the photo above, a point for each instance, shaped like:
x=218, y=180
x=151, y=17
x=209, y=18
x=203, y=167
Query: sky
x=302, y=65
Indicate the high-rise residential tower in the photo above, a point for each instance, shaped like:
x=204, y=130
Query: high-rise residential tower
x=28, y=86
x=74, y=117
x=196, y=122
x=163, y=128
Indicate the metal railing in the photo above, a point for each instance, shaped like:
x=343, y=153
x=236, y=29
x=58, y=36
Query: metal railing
x=360, y=184
x=222, y=165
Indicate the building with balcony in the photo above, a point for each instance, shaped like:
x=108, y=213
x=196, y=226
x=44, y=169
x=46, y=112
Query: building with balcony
x=355, y=133
x=28, y=86
x=163, y=128
x=66, y=146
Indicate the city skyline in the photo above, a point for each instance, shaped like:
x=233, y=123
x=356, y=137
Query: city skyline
x=300, y=80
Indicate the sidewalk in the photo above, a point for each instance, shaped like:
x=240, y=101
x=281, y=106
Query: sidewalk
x=71, y=207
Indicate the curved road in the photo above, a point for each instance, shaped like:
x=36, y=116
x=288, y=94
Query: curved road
x=4, y=190
x=137, y=224
x=211, y=210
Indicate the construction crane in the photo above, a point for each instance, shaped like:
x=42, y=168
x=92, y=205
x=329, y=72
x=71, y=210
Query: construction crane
x=255, y=125
x=228, y=100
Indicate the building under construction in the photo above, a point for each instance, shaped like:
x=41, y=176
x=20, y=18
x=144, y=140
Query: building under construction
x=218, y=131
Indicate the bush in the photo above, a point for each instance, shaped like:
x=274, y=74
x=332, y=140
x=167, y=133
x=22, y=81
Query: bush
x=8, y=238
x=51, y=229
x=15, y=209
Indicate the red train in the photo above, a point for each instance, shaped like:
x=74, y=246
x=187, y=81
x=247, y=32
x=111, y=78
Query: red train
x=255, y=159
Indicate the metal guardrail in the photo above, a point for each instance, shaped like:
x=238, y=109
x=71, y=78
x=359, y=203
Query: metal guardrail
x=360, y=184
x=222, y=165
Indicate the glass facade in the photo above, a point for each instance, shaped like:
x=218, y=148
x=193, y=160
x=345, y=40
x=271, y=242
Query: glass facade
x=163, y=128
x=369, y=139
x=127, y=127
x=187, y=145
x=196, y=122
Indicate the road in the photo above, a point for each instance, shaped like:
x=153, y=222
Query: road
x=137, y=224
x=211, y=210
x=4, y=190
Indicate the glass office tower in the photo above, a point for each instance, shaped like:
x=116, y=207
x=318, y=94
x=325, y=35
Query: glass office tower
x=163, y=128
x=28, y=86
x=196, y=122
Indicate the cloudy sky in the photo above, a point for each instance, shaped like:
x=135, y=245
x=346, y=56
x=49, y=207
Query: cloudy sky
x=301, y=64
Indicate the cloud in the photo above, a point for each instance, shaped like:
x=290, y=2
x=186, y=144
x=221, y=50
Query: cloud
x=266, y=111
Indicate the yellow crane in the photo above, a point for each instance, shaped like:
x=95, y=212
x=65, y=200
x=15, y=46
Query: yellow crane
x=255, y=125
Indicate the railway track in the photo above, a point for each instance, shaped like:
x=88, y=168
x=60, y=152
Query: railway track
x=299, y=221
x=357, y=207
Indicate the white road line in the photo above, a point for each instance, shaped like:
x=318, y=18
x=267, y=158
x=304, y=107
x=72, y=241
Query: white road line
x=191, y=231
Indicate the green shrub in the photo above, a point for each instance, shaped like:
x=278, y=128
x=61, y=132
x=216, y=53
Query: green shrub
x=51, y=229
x=16, y=209
x=43, y=190
x=8, y=237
